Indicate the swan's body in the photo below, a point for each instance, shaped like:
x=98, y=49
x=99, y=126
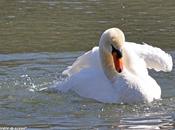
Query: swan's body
x=93, y=75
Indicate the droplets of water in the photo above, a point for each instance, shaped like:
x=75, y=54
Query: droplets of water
x=28, y=82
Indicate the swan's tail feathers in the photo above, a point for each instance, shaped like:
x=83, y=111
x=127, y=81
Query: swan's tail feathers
x=57, y=87
x=157, y=59
x=67, y=72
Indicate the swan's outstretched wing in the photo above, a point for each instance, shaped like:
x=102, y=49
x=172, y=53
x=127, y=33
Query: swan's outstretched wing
x=154, y=57
x=89, y=59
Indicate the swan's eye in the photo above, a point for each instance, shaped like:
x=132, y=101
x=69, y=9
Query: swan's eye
x=117, y=51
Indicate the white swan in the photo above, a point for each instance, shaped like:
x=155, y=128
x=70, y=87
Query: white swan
x=116, y=71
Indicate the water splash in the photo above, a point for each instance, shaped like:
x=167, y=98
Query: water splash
x=28, y=82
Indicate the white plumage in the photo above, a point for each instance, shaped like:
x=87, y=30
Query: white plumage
x=91, y=77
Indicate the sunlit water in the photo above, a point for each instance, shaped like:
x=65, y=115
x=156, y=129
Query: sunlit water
x=39, y=39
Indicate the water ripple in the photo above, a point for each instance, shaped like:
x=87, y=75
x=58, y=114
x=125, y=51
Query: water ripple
x=148, y=122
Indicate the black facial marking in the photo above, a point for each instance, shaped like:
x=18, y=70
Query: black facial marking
x=117, y=51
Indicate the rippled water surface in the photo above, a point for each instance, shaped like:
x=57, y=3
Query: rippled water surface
x=40, y=38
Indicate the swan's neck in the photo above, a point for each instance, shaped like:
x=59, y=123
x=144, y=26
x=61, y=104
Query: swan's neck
x=107, y=63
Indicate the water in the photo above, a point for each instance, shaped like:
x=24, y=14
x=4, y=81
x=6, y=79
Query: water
x=39, y=39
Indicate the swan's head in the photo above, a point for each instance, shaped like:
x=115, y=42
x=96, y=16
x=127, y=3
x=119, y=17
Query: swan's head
x=111, y=43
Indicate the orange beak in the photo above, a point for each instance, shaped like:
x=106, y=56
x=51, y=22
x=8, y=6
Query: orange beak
x=118, y=62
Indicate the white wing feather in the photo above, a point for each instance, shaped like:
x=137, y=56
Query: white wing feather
x=89, y=59
x=154, y=57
